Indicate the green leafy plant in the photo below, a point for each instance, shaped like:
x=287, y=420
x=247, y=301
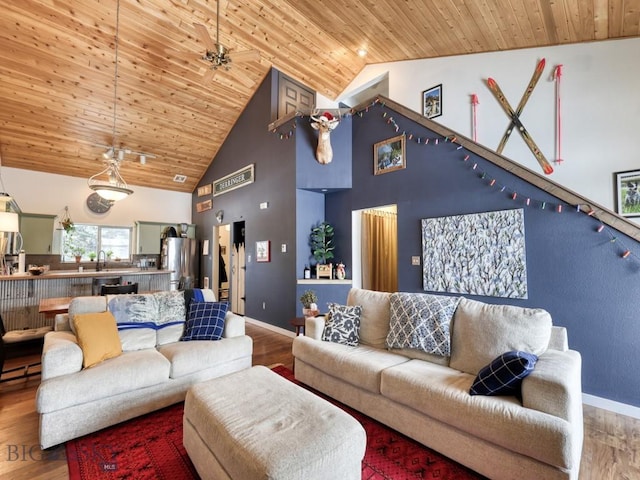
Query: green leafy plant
x=321, y=242
x=92, y=256
x=307, y=298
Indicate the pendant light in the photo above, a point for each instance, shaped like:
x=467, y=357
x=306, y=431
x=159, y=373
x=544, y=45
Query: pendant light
x=115, y=188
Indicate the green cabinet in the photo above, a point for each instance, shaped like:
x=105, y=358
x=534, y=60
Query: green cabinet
x=37, y=233
x=148, y=235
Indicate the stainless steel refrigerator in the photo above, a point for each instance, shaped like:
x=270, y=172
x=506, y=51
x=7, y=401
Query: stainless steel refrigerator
x=181, y=255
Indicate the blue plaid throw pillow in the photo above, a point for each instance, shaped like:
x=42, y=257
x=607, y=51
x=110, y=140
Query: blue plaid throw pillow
x=504, y=375
x=205, y=321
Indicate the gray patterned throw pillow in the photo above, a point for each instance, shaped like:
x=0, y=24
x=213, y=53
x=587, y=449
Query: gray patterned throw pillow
x=421, y=321
x=343, y=324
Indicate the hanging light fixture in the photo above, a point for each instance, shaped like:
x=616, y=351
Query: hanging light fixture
x=115, y=188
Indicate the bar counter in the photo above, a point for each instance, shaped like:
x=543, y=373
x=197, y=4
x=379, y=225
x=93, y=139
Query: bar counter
x=21, y=294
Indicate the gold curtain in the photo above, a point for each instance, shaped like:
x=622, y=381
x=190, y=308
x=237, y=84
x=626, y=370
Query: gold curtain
x=380, y=251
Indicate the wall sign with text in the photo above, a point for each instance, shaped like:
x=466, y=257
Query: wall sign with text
x=237, y=179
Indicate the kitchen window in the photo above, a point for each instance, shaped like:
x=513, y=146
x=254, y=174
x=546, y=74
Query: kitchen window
x=87, y=241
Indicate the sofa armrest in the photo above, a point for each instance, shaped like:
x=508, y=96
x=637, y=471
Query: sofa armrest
x=555, y=386
x=313, y=327
x=61, y=323
x=61, y=355
x=233, y=325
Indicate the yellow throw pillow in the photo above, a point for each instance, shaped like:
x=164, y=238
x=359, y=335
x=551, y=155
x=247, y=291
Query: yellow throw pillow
x=98, y=338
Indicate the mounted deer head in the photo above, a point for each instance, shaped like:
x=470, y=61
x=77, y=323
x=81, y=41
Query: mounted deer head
x=325, y=123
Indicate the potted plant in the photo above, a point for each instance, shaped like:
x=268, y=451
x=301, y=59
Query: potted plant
x=322, y=247
x=92, y=256
x=109, y=254
x=309, y=301
x=72, y=248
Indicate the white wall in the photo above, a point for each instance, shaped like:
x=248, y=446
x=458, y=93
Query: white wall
x=46, y=193
x=600, y=105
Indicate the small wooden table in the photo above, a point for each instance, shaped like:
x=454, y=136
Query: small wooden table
x=298, y=323
x=53, y=306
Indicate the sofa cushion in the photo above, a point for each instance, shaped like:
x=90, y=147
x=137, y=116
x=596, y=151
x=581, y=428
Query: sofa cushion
x=504, y=375
x=97, y=337
x=80, y=305
x=374, y=319
x=192, y=357
x=342, y=324
x=421, y=321
x=171, y=316
x=360, y=366
x=136, y=316
x=442, y=393
x=109, y=378
x=481, y=332
x=206, y=321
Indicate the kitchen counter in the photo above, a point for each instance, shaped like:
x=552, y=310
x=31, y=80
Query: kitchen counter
x=90, y=273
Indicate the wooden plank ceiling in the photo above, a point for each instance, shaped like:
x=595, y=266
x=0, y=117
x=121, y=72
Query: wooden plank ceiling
x=57, y=66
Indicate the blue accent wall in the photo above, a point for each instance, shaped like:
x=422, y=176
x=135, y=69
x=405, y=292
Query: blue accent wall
x=574, y=272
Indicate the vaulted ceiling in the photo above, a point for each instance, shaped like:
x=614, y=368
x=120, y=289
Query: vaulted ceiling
x=58, y=66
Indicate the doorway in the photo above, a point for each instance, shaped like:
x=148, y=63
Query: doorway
x=375, y=248
x=228, y=265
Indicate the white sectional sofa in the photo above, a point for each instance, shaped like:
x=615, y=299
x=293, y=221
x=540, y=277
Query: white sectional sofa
x=154, y=370
x=536, y=436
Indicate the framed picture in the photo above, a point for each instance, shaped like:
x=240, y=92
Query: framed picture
x=389, y=155
x=202, y=206
x=263, y=251
x=205, y=190
x=627, y=188
x=432, y=102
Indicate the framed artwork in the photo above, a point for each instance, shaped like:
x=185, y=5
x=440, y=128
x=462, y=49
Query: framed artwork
x=202, y=206
x=263, y=251
x=389, y=155
x=627, y=188
x=205, y=190
x=432, y=102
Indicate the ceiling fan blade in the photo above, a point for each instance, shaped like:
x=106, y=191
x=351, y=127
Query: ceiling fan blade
x=245, y=56
x=204, y=37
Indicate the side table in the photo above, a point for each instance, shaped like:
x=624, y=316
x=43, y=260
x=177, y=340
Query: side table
x=298, y=323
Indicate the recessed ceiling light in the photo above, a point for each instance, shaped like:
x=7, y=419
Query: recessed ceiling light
x=362, y=52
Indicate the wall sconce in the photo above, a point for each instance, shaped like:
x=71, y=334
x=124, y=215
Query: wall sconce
x=219, y=216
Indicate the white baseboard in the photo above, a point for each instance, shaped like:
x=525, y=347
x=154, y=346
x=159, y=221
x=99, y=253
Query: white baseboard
x=611, y=405
x=592, y=400
x=268, y=326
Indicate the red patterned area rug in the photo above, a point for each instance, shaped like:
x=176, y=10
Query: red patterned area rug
x=150, y=447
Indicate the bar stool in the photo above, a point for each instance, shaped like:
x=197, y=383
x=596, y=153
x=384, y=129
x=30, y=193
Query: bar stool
x=98, y=282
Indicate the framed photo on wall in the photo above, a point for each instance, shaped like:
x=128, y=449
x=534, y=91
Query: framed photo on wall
x=627, y=188
x=432, y=102
x=389, y=155
x=263, y=251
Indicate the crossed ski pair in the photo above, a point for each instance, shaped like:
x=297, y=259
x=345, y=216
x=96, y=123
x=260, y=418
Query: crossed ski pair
x=515, y=116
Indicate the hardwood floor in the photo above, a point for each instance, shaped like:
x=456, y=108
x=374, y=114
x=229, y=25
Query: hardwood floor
x=611, y=442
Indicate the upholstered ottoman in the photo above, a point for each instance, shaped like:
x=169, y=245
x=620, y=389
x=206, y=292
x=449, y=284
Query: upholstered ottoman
x=254, y=424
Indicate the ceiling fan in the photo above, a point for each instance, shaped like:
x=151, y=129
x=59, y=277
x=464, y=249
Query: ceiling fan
x=217, y=55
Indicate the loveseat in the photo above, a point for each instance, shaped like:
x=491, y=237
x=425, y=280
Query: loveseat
x=535, y=433
x=155, y=368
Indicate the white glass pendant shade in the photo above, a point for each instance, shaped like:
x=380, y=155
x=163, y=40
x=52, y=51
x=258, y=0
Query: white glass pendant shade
x=9, y=222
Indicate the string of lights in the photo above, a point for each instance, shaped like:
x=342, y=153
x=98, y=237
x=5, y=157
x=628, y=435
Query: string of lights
x=622, y=249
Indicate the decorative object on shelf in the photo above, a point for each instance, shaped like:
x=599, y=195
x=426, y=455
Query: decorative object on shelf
x=307, y=272
x=389, y=155
x=97, y=204
x=627, y=186
x=340, y=271
x=432, y=102
x=263, y=251
x=321, y=242
x=309, y=301
x=325, y=124
x=324, y=271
